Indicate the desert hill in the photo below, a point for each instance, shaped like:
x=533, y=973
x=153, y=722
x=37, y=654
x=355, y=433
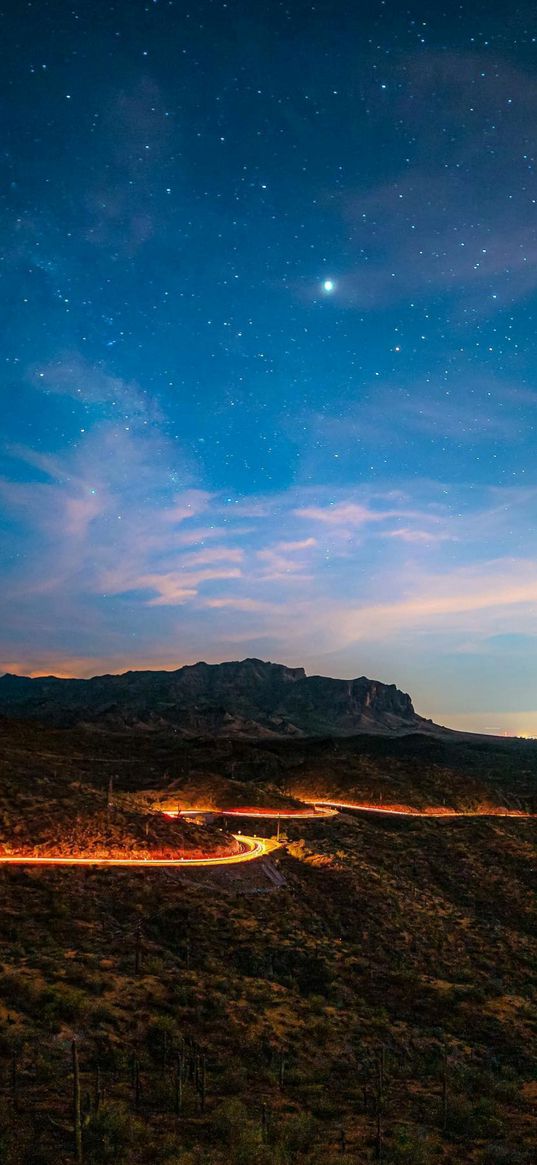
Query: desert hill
x=383, y=993
x=249, y=698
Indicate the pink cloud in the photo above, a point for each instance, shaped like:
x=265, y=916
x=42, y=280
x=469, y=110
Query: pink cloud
x=240, y=604
x=284, y=557
x=350, y=514
x=341, y=514
x=425, y=537
x=213, y=554
x=504, y=586
x=301, y=544
x=178, y=586
x=190, y=504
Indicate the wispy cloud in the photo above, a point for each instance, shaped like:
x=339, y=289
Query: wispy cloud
x=213, y=554
x=142, y=571
x=425, y=537
x=504, y=587
x=174, y=587
x=190, y=504
x=251, y=605
x=286, y=557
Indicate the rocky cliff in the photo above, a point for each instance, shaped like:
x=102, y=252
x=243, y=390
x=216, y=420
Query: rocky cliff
x=248, y=698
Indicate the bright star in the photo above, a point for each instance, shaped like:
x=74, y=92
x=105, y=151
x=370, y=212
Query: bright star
x=328, y=285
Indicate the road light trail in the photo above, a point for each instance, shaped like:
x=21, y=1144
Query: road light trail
x=402, y=811
x=319, y=809
x=255, y=847
x=309, y=812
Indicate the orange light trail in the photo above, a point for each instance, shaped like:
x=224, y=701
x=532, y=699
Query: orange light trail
x=256, y=847
x=316, y=810
x=331, y=808
x=400, y=811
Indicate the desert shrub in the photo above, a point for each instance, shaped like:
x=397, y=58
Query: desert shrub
x=18, y=990
x=242, y=1135
x=409, y=1147
x=110, y=1133
x=154, y=965
x=248, y=1149
x=101, y=1012
x=321, y=1030
x=297, y=1133
x=313, y=977
x=317, y=1004
x=161, y=1031
x=473, y=1120
x=506, y=1091
x=64, y=1003
x=195, y=1156
x=505, y=1154
x=82, y=976
x=229, y=1118
x=233, y=1080
x=324, y=1104
x=19, y=1144
x=321, y=1157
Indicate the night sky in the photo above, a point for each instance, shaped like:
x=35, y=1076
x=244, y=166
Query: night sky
x=269, y=292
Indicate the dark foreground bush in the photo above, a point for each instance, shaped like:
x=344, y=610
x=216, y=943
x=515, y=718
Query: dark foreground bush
x=505, y=1154
x=409, y=1147
x=110, y=1133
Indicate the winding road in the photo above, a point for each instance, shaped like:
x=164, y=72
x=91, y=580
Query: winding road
x=312, y=809
x=317, y=809
x=403, y=811
x=257, y=847
x=254, y=847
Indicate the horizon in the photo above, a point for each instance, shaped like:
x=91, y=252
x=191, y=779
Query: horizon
x=270, y=375
x=276, y=663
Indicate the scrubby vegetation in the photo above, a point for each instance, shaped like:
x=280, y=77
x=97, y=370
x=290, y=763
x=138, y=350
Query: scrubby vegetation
x=62, y=804
x=378, y=1006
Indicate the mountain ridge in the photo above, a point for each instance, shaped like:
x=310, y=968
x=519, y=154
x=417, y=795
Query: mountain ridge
x=249, y=697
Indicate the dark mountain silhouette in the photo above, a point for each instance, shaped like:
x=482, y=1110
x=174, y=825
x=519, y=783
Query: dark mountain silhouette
x=247, y=698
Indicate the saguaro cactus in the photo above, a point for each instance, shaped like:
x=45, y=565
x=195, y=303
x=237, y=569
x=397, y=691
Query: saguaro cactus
x=178, y=1083
x=201, y=1079
x=379, y=1133
x=138, y=949
x=381, y=1070
x=281, y=1070
x=136, y=1083
x=445, y=1093
x=97, y=1091
x=77, y=1109
x=14, y=1082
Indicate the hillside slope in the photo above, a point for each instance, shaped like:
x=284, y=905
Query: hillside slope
x=221, y=1021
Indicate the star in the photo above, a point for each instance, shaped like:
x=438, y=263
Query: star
x=328, y=286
